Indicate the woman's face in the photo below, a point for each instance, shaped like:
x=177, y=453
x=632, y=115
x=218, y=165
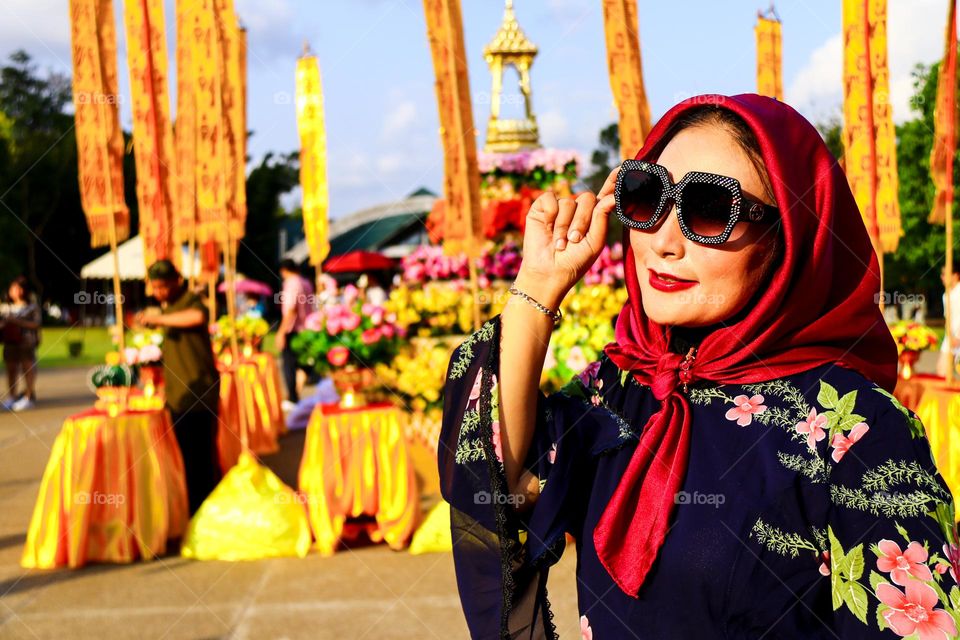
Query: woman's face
x=15, y=292
x=725, y=277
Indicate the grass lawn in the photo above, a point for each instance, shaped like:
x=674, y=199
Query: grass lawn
x=54, y=346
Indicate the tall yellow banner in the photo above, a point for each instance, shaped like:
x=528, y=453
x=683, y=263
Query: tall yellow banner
x=234, y=123
x=152, y=133
x=462, y=223
x=313, y=157
x=945, y=123
x=621, y=26
x=185, y=130
x=99, y=137
x=868, y=135
x=769, y=56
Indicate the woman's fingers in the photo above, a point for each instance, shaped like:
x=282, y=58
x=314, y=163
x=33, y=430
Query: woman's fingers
x=544, y=209
x=597, y=233
x=581, y=217
x=568, y=208
x=609, y=184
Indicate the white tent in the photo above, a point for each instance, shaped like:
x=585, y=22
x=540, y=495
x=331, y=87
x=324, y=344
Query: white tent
x=130, y=255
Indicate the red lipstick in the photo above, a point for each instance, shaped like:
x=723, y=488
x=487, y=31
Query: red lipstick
x=667, y=282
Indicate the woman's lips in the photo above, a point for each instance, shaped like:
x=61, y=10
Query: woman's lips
x=667, y=282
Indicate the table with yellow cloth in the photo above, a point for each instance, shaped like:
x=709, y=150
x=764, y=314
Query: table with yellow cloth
x=113, y=490
x=251, y=386
x=355, y=463
x=937, y=404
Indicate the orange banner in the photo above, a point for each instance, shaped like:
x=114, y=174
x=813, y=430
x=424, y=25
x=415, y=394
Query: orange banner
x=462, y=223
x=99, y=137
x=769, y=61
x=152, y=134
x=869, y=138
x=945, y=123
x=626, y=73
x=185, y=130
x=234, y=123
x=313, y=158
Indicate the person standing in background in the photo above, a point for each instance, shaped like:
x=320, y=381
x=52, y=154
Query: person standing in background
x=296, y=303
x=21, y=321
x=191, y=379
x=951, y=296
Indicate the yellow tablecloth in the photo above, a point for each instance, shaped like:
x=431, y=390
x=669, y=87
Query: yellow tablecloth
x=253, y=386
x=355, y=462
x=939, y=410
x=114, y=490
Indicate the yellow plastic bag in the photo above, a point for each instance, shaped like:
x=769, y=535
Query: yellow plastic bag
x=434, y=534
x=251, y=514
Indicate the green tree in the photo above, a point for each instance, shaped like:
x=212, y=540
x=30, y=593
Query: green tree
x=268, y=181
x=604, y=158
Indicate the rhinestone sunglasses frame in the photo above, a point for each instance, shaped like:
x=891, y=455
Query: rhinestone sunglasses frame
x=755, y=211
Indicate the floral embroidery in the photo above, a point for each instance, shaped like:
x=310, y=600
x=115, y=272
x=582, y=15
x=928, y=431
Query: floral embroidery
x=586, y=633
x=841, y=443
x=745, y=408
x=812, y=427
x=902, y=564
x=552, y=454
x=465, y=350
x=914, y=612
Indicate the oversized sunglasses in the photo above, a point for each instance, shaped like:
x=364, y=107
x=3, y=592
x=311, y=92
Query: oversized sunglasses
x=708, y=205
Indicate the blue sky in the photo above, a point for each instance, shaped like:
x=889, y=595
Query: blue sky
x=378, y=76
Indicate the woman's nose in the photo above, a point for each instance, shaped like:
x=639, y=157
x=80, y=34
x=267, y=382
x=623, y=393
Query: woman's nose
x=667, y=237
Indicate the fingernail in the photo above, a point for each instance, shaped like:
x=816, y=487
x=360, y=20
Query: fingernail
x=574, y=236
x=559, y=244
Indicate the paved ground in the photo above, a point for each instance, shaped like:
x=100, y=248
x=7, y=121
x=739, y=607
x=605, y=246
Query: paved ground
x=369, y=592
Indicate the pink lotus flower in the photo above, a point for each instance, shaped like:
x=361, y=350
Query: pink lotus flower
x=334, y=325
x=952, y=553
x=149, y=353
x=914, y=611
x=130, y=355
x=812, y=427
x=338, y=356
x=314, y=322
x=586, y=633
x=370, y=336
x=497, y=444
x=351, y=321
x=745, y=409
x=842, y=443
x=387, y=330
x=350, y=293
x=901, y=565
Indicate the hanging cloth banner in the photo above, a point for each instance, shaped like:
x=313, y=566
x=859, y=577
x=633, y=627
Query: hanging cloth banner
x=621, y=26
x=462, y=223
x=97, y=120
x=185, y=130
x=769, y=56
x=234, y=123
x=869, y=138
x=152, y=133
x=945, y=123
x=313, y=158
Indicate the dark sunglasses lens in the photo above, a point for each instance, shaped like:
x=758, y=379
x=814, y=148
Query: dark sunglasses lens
x=640, y=193
x=707, y=208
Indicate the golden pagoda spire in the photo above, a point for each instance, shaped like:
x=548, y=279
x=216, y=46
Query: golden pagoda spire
x=510, y=46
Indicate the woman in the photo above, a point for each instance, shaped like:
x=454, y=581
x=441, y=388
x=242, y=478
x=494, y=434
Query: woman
x=734, y=465
x=21, y=321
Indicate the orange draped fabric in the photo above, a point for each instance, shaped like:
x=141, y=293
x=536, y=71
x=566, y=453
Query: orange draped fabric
x=99, y=137
x=313, y=158
x=113, y=490
x=626, y=73
x=356, y=462
x=253, y=387
x=152, y=133
x=945, y=123
x=462, y=224
x=769, y=61
x=870, y=158
x=185, y=130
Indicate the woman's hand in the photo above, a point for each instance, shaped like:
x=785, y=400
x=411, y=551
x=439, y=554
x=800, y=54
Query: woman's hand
x=562, y=240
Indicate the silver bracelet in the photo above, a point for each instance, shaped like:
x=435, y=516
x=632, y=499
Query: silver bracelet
x=556, y=316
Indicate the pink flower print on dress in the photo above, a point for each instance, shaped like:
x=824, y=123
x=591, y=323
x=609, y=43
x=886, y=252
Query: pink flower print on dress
x=842, y=443
x=745, y=409
x=812, y=427
x=586, y=633
x=497, y=444
x=913, y=612
x=552, y=454
x=475, y=391
x=901, y=565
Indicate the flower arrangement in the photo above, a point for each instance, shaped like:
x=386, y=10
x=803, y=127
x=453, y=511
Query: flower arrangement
x=537, y=167
x=249, y=329
x=417, y=375
x=145, y=348
x=428, y=262
x=359, y=334
x=608, y=269
x=913, y=336
x=442, y=308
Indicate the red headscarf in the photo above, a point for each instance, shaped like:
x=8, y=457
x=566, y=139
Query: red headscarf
x=819, y=307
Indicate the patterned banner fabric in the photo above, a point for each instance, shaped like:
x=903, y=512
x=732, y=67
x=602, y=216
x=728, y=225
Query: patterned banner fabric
x=234, y=115
x=185, y=130
x=462, y=223
x=626, y=73
x=945, y=123
x=769, y=60
x=152, y=133
x=868, y=135
x=99, y=137
x=313, y=158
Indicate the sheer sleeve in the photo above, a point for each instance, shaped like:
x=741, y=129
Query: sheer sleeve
x=502, y=556
x=893, y=556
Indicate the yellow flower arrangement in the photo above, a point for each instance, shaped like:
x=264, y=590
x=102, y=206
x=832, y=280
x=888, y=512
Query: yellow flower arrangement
x=418, y=375
x=913, y=336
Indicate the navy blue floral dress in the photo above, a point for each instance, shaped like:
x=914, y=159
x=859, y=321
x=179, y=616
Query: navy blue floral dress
x=811, y=508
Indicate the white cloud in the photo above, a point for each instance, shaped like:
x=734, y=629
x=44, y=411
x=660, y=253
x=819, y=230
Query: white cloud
x=915, y=35
x=391, y=162
x=399, y=119
x=553, y=126
x=41, y=27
